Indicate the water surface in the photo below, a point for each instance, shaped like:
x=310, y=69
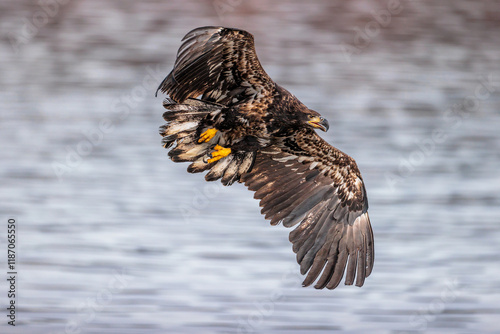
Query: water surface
x=119, y=239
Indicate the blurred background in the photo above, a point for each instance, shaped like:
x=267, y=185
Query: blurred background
x=113, y=237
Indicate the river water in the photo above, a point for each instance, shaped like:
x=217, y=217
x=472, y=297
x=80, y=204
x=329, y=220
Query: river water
x=113, y=237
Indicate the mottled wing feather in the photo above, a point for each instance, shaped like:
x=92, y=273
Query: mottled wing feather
x=303, y=180
x=220, y=64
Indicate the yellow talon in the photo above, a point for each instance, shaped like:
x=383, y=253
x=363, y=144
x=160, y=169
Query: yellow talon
x=207, y=135
x=220, y=152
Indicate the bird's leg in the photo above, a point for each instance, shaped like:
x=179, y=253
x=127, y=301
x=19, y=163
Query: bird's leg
x=206, y=136
x=220, y=152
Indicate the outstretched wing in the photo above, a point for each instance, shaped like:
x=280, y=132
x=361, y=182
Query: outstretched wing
x=304, y=180
x=219, y=63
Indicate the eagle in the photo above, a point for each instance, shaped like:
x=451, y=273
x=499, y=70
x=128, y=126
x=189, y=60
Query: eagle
x=226, y=116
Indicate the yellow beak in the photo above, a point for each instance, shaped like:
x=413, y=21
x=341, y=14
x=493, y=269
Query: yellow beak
x=320, y=123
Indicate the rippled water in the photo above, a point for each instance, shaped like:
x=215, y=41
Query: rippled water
x=118, y=239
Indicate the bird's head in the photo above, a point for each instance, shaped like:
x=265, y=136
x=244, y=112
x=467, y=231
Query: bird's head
x=314, y=120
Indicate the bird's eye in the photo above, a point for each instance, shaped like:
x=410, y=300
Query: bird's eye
x=310, y=116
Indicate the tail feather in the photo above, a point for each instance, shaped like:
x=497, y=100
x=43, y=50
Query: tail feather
x=231, y=172
x=241, y=164
x=185, y=122
x=217, y=171
x=175, y=128
x=188, y=152
x=199, y=165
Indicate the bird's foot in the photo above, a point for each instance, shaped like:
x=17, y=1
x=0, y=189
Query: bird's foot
x=206, y=136
x=220, y=152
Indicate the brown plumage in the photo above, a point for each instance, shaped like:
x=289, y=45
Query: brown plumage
x=246, y=128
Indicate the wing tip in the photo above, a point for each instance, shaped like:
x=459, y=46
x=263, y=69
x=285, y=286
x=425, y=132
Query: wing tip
x=212, y=30
x=354, y=260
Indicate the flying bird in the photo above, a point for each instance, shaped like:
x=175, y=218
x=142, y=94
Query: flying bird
x=226, y=116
